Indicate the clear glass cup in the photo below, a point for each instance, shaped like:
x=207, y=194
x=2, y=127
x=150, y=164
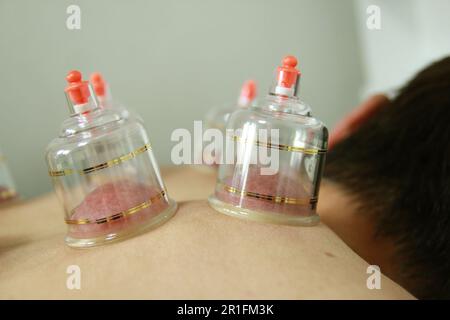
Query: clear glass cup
x=7, y=186
x=104, y=173
x=276, y=155
x=105, y=99
x=217, y=118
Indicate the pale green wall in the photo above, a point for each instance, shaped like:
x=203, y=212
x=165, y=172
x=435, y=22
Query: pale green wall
x=168, y=60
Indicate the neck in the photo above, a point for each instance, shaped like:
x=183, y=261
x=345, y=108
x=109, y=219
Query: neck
x=340, y=211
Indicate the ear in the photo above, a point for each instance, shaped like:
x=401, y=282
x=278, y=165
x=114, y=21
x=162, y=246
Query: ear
x=356, y=118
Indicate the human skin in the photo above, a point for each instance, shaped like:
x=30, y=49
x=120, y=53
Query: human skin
x=199, y=253
x=340, y=211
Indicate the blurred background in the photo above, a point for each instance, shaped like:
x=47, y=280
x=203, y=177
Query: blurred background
x=171, y=61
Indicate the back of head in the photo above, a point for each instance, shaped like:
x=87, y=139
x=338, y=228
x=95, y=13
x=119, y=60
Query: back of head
x=398, y=166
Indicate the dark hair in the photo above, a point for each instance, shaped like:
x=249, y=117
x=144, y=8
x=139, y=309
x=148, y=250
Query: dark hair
x=398, y=165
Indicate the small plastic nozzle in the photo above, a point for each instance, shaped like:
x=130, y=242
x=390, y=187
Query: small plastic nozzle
x=99, y=84
x=287, y=76
x=77, y=89
x=249, y=90
x=248, y=93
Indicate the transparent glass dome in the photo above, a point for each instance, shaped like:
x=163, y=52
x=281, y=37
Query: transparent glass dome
x=217, y=118
x=105, y=100
x=7, y=187
x=104, y=172
x=275, y=157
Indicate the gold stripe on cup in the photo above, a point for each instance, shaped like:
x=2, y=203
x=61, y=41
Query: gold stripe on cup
x=104, y=165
